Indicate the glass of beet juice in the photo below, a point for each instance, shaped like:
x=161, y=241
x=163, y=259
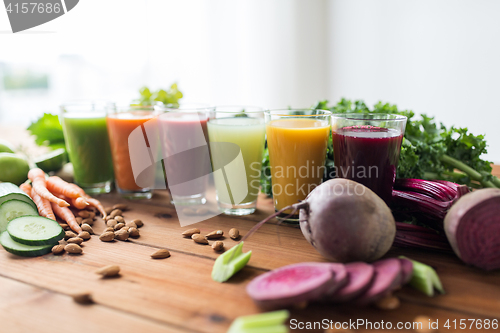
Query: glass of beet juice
x=366, y=149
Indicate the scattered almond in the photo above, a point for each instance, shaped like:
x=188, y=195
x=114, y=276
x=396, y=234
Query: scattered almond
x=234, y=233
x=131, y=224
x=84, y=213
x=422, y=324
x=191, y=232
x=108, y=271
x=199, y=239
x=201, y=211
x=91, y=215
x=134, y=232
x=85, y=235
x=301, y=305
x=73, y=249
x=109, y=229
x=119, y=219
x=88, y=221
x=79, y=220
x=58, y=249
x=161, y=254
x=116, y=212
x=218, y=246
x=75, y=240
x=86, y=227
x=118, y=226
x=111, y=223
x=215, y=234
x=107, y=218
x=121, y=207
x=138, y=223
x=108, y=210
x=69, y=234
x=107, y=236
x=388, y=303
x=83, y=298
x=121, y=234
x=64, y=226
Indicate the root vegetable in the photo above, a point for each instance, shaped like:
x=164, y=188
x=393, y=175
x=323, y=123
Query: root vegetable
x=360, y=276
x=387, y=278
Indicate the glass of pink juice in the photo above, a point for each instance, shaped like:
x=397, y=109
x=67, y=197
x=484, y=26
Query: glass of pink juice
x=184, y=144
x=366, y=149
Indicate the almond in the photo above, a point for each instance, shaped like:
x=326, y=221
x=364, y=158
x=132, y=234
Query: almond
x=134, y=232
x=116, y=212
x=191, y=232
x=119, y=219
x=69, y=234
x=108, y=210
x=88, y=221
x=234, y=233
x=121, y=234
x=86, y=227
x=83, y=298
x=79, y=220
x=84, y=214
x=58, y=249
x=388, y=303
x=84, y=235
x=109, y=271
x=218, y=246
x=199, y=239
x=201, y=211
x=138, y=223
x=131, y=224
x=121, y=207
x=107, y=236
x=75, y=240
x=111, y=223
x=91, y=215
x=118, y=226
x=64, y=226
x=73, y=249
x=109, y=229
x=161, y=254
x=215, y=234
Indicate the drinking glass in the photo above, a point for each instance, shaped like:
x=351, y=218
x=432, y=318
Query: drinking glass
x=297, y=141
x=366, y=149
x=87, y=144
x=184, y=142
x=237, y=139
x=132, y=148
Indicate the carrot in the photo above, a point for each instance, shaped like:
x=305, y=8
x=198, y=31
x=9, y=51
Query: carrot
x=66, y=215
x=79, y=203
x=37, y=177
x=57, y=185
x=97, y=204
x=26, y=188
x=43, y=205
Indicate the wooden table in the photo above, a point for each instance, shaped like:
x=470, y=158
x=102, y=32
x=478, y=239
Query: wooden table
x=177, y=294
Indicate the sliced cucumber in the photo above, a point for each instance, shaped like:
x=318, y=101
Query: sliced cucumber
x=21, y=249
x=52, y=161
x=35, y=230
x=9, y=191
x=11, y=209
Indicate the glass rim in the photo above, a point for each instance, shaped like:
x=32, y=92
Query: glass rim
x=244, y=107
x=101, y=103
x=183, y=107
x=281, y=112
x=359, y=116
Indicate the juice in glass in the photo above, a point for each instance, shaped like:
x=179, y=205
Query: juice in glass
x=121, y=125
x=366, y=149
x=297, y=141
x=238, y=182
x=87, y=144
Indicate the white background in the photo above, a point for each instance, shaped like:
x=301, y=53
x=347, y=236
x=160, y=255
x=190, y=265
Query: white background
x=437, y=57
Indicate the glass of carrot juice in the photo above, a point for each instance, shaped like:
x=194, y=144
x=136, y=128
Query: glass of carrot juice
x=297, y=142
x=133, y=137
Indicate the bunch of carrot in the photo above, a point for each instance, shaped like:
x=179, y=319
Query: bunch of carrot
x=53, y=196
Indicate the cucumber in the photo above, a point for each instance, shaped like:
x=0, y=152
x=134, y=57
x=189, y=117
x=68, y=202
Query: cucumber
x=51, y=161
x=21, y=249
x=11, y=209
x=35, y=230
x=9, y=191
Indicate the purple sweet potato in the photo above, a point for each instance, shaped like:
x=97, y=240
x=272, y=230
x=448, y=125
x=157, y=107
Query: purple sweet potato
x=406, y=270
x=292, y=284
x=388, y=277
x=359, y=276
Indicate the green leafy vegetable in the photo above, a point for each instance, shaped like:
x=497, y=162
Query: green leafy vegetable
x=169, y=97
x=230, y=262
x=48, y=131
x=425, y=278
x=270, y=322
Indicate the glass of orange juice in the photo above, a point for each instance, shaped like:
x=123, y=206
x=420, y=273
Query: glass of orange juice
x=133, y=138
x=297, y=141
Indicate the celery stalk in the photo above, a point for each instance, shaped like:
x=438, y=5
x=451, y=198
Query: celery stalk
x=425, y=278
x=270, y=322
x=229, y=263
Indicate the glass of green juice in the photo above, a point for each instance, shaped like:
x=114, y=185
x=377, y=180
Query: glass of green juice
x=87, y=143
x=237, y=138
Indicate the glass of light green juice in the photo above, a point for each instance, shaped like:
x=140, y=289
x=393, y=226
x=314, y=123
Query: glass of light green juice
x=237, y=139
x=87, y=144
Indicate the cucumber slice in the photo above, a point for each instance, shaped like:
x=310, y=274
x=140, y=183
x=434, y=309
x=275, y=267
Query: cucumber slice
x=52, y=161
x=9, y=191
x=21, y=249
x=35, y=230
x=11, y=209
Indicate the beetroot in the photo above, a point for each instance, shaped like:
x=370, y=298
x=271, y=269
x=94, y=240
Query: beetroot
x=345, y=221
x=360, y=276
x=406, y=270
x=472, y=226
x=291, y=285
x=388, y=277
x=340, y=277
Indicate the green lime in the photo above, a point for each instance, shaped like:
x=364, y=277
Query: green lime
x=51, y=161
x=13, y=168
x=6, y=147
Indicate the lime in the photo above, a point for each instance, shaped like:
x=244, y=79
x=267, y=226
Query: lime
x=13, y=168
x=51, y=161
x=6, y=147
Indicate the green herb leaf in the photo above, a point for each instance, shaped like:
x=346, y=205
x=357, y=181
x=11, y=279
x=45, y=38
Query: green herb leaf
x=48, y=131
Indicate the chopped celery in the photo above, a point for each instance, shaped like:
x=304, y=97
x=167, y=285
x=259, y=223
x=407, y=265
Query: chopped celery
x=425, y=278
x=229, y=263
x=270, y=322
